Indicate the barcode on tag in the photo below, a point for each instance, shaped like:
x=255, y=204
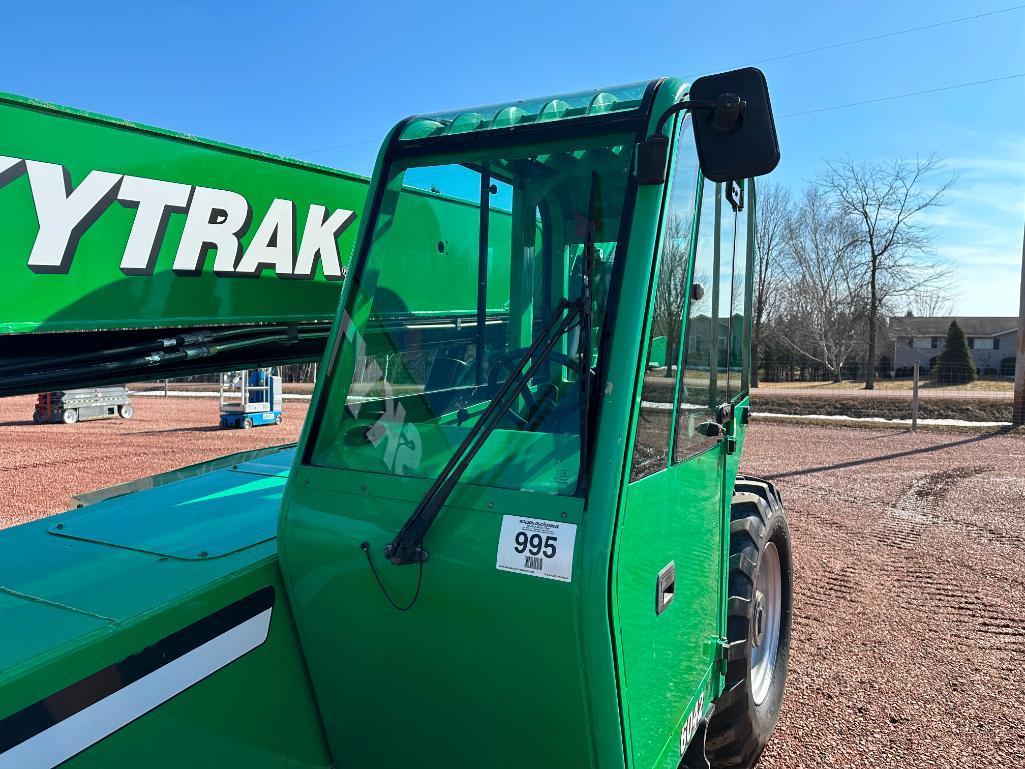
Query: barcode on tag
x=531, y=562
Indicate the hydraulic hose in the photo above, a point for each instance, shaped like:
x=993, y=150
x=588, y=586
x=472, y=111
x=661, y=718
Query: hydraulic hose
x=59, y=362
x=114, y=352
x=149, y=360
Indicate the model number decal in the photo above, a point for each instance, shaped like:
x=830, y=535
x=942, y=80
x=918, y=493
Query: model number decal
x=690, y=726
x=537, y=547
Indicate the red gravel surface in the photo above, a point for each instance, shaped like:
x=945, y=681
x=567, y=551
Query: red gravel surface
x=909, y=557
x=43, y=466
x=909, y=608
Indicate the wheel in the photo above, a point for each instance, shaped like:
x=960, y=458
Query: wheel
x=278, y=420
x=37, y=416
x=758, y=627
x=70, y=416
x=125, y=410
x=247, y=423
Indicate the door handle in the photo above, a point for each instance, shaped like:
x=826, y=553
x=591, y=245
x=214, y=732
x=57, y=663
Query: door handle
x=724, y=418
x=665, y=588
x=712, y=430
x=724, y=414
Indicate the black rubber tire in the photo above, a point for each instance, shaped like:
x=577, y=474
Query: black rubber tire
x=37, y=416
x=247, y=423
x=739, y=729
x=125, y=410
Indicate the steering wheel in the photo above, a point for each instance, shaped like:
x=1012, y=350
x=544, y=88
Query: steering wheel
x=506, y=361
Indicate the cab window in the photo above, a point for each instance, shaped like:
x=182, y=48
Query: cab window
x=668, y=302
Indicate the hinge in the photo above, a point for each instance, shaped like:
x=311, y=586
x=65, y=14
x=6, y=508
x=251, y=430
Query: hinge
x=722, y=657
x=735, y=196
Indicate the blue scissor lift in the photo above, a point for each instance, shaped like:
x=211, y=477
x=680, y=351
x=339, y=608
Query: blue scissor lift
x=250, y=398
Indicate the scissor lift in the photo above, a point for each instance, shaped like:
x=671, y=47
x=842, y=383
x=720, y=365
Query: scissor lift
x=70, y=406
x=250, y=398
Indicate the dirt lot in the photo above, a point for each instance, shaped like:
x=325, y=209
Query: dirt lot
x=909, y=631
x=42, y=466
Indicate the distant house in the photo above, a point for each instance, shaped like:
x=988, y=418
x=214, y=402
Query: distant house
x=993, y=342
x=699, y=333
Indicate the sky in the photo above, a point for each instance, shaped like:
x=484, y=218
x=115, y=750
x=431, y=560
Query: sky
x=324, y=82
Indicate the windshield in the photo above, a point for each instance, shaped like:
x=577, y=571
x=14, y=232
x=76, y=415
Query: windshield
x=468, y=262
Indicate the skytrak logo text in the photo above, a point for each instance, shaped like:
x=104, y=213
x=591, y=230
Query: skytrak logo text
x=214, y=219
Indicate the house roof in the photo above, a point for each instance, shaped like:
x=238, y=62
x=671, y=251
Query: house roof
x=937, y=326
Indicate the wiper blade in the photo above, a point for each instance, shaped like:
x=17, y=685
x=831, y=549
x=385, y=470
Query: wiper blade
x=407, y=548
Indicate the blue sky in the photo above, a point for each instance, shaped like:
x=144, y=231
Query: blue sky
x=325, y=81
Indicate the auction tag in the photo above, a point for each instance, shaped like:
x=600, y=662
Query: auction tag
x=536, y=546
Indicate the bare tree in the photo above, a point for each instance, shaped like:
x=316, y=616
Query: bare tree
x=884, y=201
x=671, y=291
x=774, y=214
x=931, y=302
x=826, y=300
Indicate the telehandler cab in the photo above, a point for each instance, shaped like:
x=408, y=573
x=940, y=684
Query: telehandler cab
x=511, y=532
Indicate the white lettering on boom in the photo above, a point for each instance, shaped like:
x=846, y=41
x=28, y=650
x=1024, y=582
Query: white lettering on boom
x=215, y=219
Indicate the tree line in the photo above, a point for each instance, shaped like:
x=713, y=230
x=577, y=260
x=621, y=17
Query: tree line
x=836, y=260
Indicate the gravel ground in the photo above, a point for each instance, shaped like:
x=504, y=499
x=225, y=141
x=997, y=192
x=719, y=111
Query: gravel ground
x=43, y=466
x=909, y=626
x=909, y=622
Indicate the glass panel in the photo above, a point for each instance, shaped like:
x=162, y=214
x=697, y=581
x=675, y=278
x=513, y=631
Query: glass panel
x=723, y=295
x=563, y=107
x=651, y=441
x=425, y=356
x=736, y=375
x=697, y=398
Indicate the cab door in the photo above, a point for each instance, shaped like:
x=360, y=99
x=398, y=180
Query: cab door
x=668, y=566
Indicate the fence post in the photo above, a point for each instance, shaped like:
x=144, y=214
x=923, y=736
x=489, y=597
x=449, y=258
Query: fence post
x=914, y=400
x=1018, y=406
x=165, y=388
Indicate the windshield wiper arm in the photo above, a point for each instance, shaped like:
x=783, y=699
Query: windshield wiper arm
x=407, y=548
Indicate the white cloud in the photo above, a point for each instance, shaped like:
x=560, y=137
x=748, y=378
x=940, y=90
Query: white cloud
x=978, y=232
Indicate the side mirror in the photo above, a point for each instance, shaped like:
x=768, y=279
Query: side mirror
x=733, y=129
x=737, y=139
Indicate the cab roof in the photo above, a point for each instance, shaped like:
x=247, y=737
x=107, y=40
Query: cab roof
x=632, y=100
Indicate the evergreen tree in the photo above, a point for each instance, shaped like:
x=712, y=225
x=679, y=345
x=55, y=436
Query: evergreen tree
x=954, y=364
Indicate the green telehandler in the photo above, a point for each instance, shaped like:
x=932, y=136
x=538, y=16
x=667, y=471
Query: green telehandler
x=510, y=533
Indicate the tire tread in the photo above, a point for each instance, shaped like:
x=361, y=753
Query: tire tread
x=732, y=741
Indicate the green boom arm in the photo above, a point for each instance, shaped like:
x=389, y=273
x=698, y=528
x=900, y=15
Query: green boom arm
x=128, y=251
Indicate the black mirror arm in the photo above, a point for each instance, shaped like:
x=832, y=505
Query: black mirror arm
x=680, y=106
x=653, y=153
x=727, y=109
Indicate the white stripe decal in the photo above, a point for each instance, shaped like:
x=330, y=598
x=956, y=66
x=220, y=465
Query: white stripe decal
x=90, y=725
